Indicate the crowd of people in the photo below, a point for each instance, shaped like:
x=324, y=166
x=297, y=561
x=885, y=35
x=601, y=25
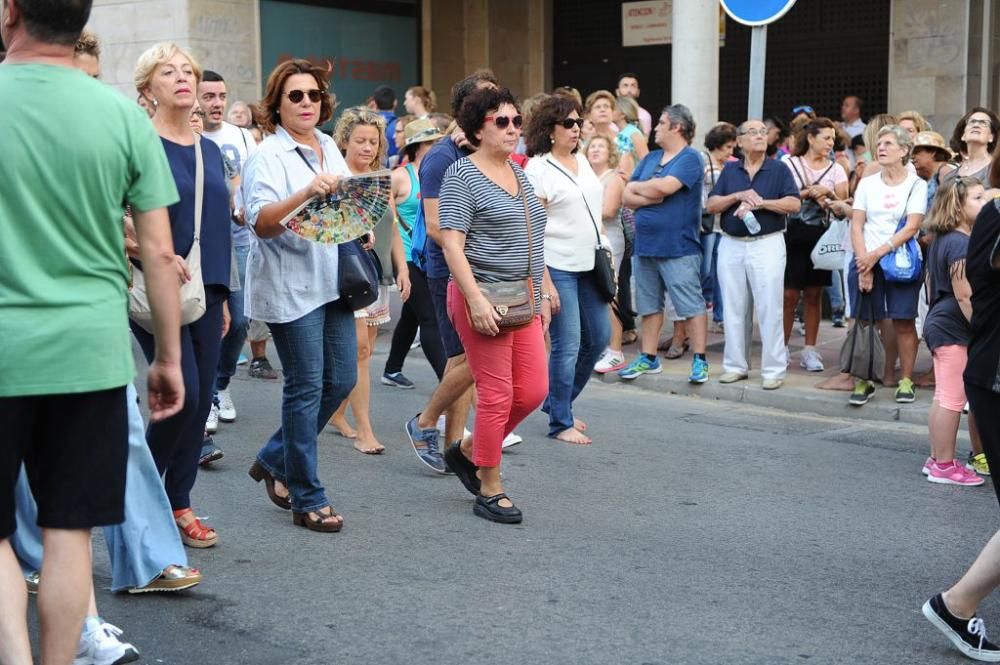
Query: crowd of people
x=523, y=238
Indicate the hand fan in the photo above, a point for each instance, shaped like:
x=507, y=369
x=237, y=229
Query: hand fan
x=347, y=213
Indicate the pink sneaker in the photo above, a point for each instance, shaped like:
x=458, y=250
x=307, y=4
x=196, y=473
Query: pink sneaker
x=927, y=466
x=953, y=474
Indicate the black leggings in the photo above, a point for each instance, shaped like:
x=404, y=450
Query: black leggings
x=985, y=404
x=418, y=311
x=623, y=302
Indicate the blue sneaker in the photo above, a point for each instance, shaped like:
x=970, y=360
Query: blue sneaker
x=243, y=360
x=699, y=371
x=425, y=445
x=641, y=365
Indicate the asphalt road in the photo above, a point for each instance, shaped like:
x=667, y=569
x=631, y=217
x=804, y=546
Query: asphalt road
x=690, y=532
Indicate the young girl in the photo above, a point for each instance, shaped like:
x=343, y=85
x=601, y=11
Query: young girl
x=946, y=329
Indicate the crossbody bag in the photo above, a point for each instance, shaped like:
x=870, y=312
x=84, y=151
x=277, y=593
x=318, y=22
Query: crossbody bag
x=811, y=213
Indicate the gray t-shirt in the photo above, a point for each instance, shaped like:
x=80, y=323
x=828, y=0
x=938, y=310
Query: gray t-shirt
x=945, y=323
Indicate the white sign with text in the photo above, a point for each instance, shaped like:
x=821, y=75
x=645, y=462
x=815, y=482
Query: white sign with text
x=646, y=23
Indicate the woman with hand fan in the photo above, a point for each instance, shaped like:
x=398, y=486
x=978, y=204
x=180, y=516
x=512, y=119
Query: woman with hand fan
x=360, y=134
x=292, y=285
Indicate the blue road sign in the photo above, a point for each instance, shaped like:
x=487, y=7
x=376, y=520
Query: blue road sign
x=756, y=12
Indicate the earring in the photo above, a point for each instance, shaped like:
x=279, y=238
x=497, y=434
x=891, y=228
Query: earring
x=552, y=140
x=155, y=103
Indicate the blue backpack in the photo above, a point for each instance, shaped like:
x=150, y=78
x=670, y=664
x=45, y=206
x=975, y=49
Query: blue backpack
x=418, y=238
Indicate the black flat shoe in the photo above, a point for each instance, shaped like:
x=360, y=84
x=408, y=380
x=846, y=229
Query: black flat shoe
x=488, y=507
x=460, y=465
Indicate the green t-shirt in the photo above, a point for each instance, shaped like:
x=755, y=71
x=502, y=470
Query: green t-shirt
x=74, y=152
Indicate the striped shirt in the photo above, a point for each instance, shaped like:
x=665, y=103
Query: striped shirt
x=496, y=234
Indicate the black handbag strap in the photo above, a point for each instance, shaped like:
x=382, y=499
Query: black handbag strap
x=584, y=196
x=711, y=168
x=801, y=175
x=306, y=160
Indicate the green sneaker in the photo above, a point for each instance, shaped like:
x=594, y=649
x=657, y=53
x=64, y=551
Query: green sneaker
x=978, y=464
x=904, y=393
x=863, y=392
x=641, y=365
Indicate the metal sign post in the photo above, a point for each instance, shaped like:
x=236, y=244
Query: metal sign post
x=757, y=14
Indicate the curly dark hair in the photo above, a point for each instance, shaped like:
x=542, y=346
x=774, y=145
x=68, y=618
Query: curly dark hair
x=958, y=145
x=468, y=85
x=267, y=110
x=720, y=135
x=472, y=115
x=544, y=116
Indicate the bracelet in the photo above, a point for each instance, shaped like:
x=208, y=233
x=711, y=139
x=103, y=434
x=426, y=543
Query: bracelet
x=892, y=248
x=546, y=296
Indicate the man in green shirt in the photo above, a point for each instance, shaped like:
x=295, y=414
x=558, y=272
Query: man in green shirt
x=75, y=152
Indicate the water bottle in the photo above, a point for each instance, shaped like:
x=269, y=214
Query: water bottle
x=750, y=219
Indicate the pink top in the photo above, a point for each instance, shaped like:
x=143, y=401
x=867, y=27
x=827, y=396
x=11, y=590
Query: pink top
x=799, y=169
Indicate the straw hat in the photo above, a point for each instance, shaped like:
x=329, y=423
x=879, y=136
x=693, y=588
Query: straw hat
x=931, y=140
x=421, y=131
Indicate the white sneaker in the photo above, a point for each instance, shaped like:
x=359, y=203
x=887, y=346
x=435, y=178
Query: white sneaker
x=212, y=424
x=811, y=361
x=442, y=425
x=227, y=411
x=611, y=361
x=511, y=440
x=100, y=645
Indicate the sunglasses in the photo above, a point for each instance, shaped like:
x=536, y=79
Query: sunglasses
x=802, y=109
x=569, y=122
x=502, y=121
x=977, y=122
x=296, y=96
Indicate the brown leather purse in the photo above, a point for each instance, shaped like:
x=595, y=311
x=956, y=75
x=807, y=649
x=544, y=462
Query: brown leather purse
x=513, y=300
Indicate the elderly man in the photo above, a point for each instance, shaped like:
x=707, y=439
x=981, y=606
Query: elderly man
x=665, y=193
x=753, y=196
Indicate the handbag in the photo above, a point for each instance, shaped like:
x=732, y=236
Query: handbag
x=357, y=276
x=811, y=213
x=513, y=300
x=863, y=355
x=906, y=263
x=604, y=270
x=193, y=291
x=830, y=251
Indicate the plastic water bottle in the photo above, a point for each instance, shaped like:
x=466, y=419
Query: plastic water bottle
x=750, y=219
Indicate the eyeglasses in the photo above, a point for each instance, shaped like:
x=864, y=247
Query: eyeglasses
x=569, y=122
x=296, y=96
x=802, y=109
x=977, y=122
x=502, y=121
x=754, y=132
x=200, y=114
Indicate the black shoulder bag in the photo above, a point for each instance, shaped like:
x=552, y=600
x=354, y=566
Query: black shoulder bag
x=811, y=213
x=604, y=271
x=357, y=275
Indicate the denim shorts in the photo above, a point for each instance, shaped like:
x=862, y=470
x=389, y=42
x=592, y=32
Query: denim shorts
x=888, y=300
x=680, y=276
x=439, y=296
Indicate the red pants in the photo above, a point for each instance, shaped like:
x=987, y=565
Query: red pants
x=511, y=375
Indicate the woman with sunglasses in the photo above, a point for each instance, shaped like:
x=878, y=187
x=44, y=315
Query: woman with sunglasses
x=167, y=77
x=360, y=134
x=573, y=196
x=493, y=230
x=292, y=284
x=974, y=139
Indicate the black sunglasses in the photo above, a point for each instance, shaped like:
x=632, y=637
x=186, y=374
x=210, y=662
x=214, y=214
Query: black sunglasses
x=569, y=122
x=295, y=96
x=501, y=121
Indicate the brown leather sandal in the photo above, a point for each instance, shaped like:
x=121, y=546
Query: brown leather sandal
x=259, y=473
x=303, y=519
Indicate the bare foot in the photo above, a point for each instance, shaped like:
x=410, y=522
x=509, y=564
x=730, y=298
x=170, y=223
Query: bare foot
x=343, y=428
x=841, y=381
x=369, y=446
x=327, y=516
x=925, y=380
x=280, y=489
x=889, y=380
x=579, y=425
x=574, y=436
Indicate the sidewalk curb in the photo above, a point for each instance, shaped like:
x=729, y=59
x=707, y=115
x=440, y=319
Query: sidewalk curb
x=787, y=398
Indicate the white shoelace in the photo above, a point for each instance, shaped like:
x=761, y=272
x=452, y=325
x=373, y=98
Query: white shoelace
x=978, y=628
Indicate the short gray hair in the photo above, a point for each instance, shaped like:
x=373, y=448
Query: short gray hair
x=679, y=114
x=903, y=138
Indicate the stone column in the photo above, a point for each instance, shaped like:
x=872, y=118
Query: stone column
x=695, y=62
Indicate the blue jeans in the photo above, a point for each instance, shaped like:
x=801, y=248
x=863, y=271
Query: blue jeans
x=141, y=546
x=710, y=273
x=836, y=291
x=579, y=333
x=318, y=355
x=232, y=343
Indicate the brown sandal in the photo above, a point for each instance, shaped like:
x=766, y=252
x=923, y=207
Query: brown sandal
x=259, y=473
x=303, y=519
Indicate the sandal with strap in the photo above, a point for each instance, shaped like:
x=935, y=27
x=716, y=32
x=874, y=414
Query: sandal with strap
x=488, y=507
x=675, y=352
x=259, y=473
x=195, y=534
x=304, y=519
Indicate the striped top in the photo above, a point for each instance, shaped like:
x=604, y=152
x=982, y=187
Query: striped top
x=496, y=242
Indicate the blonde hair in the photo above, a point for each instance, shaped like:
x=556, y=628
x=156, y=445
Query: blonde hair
x=358, y=116
x=948, y=210
x=919, y=121
x=88, y=44
x=426, y=97
x=599, y=94
x=629, y=108
x=876, y=123
x=156, y=55
x=614, y=157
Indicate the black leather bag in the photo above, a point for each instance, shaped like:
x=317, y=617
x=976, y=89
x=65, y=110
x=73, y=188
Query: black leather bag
x=357, y=276
x=811, y=213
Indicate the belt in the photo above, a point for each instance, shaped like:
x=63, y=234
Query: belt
x=752, y=238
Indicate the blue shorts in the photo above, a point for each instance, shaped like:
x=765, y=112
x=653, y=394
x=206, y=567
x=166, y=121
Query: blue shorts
x=449, y=336
x=889, y=300
x=681, y=276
